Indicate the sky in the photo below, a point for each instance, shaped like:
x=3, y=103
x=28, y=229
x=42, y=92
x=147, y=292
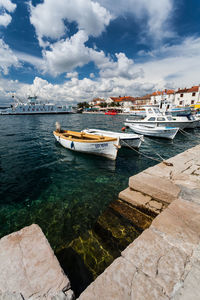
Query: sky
x=70, y=51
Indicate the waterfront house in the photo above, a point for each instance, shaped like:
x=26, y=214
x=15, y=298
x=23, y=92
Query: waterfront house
x=97, y=102
x=143, y=100
x=187, y=97
x=167, y=95
x=124, y=102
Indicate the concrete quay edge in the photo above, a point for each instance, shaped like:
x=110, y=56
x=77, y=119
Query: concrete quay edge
x=164, y=261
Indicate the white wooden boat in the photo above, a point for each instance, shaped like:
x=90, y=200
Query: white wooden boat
x=125, y=139
x=155, y=131
x=156, y=118
x=88, y=143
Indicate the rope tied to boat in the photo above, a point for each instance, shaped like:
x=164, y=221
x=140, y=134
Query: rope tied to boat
x=150, y=157
x=187, y=133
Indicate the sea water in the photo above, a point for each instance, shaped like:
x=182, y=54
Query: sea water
x=62, y=191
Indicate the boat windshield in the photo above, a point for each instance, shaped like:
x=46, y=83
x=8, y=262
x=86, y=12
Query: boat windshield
x=169, y=118
x=152, y=119
x=160, y=119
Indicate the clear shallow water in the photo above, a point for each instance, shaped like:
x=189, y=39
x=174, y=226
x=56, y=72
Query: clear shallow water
x=62, y=191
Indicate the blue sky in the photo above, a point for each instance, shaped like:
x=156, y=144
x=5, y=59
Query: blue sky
x=75, y=50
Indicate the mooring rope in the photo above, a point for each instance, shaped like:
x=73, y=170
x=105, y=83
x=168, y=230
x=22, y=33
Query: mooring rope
x=150, y=157
x=188, y=134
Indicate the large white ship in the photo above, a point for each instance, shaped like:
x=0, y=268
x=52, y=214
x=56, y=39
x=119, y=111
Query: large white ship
x=33, y=106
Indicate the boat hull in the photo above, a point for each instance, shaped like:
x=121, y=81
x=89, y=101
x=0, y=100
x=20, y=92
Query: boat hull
x=125, y=139
x=181, y=125
x=159, y=132
x=106, y=149
x=192, y=125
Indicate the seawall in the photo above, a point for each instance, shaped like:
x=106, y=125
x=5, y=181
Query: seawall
x=164, y=261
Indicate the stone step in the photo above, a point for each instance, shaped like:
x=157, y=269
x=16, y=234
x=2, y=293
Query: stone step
x=142, y=202
x=115, y=231
x=140, y=220
x=159, y=188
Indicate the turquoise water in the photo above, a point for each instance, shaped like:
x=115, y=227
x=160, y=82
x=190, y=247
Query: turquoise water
x=62, y=191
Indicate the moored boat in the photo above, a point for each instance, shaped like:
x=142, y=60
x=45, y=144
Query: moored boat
x=111, y=113
x=88, y=143
x=155, y=131
x=125, y=139
x=154, y=117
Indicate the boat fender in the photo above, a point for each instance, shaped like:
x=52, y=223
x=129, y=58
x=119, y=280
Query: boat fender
x=123, y=129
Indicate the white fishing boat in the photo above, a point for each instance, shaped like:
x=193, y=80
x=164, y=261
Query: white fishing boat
x=125, y=139
x=33, y=106
x=88, y=143
x=156, y=118
x=155, y=131
x=197, y=117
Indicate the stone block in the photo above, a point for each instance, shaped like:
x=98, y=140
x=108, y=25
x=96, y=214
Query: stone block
x=155, y=257
x=141, y=201
x=29, y=266
x=69, y=295
x=134, y=198
x=179, y=224
x=155, y=205
x=144, y=288
x=115, y=283
x=190, y=288
x=161, y=189
x=160, y=170
x=190, y=194
x=11, y=296
x=137, y=217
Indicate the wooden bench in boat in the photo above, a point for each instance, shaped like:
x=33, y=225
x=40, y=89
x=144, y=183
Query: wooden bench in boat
x=78, y=136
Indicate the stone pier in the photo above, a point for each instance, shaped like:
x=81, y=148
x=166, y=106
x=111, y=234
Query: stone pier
x=29, y=269
x=164, y=261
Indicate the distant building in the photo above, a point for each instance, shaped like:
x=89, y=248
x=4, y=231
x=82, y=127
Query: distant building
x=96, y=102
x=157, y=96
x=144, y=100
x=125, y=102
x=187, y=97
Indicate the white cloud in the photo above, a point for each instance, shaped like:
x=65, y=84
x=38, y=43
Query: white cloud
x=33, y=60
x=66, y=55
x=8, y=5
x=154, y=14
x=122, y=68
x=5, y=18
x=177, y=65
x=7, y=58
x=48, y=18
x=72, y=75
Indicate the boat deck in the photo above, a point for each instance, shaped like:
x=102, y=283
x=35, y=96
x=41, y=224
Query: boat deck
x=83, y=137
